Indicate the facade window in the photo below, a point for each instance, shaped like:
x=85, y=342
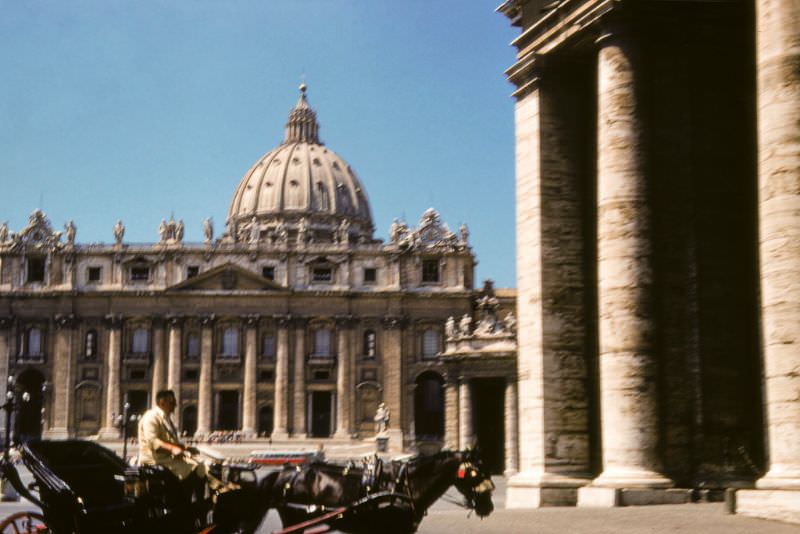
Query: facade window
x=35, y=271
x=139, y=341
x=324, y=198
x=140, y=273
x=370, y=341
x=32, y=343
x=322, y=274
x=430, y=271
x=230, y=343
x=90, y=345
x=93, y=274
x=322, y=343
x=430, y=344
x=192, y=271
x=370, y=275
x=193, y=346
x=268, y=346
x=268, y=272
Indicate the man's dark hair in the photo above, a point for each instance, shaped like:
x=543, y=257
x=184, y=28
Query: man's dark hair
x=163, y=394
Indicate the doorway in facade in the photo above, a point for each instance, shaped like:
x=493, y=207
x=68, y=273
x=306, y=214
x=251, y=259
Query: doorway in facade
x=266, y=421
x=429, y=407
x=228, y=413
x=488, y=395
x=29, y=413
x=189, y=420
x=320, y=409
x=138, y=401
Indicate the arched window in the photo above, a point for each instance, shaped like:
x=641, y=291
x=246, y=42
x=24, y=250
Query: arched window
x=322, y=343
x=193, y=346
x=139, y=341
x=323, y=199
x=230, y=343
x=370, y=340
x=90, y=345
x=430, y=343
x=268, y=345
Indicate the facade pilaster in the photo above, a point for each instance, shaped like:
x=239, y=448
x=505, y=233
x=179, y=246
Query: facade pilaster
x=174, y=355
x=778, y=57
x=465, y=430
x=205, y=389
x=344, y=393
x=510, y=427
x=250, y=395
x=451, y=426
x=112, y=382
x=299, y=378
x=628, y=364
x=391, y=352
x=159, y=360
x=281, y=401
x=62, y=372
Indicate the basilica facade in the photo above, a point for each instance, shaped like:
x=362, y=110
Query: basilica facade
x=294, y=323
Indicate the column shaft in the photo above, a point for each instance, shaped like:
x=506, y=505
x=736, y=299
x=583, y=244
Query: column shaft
x=159, y=361
x=391, y=351
x=299, y=423
x=344, y=400
x=281, y=404
x=510, y=427
x=112, y=383
x=174, y=367
x=778, y=57
x=62, y=387
x=465, y=414
x=5, y=333
x=205, y=392
x=451, y=404
x=628, y=364
x=250, y=396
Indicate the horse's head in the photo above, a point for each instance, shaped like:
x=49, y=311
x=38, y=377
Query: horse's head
x=475, y=484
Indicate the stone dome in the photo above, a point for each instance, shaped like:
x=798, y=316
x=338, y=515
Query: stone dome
x=300, y=190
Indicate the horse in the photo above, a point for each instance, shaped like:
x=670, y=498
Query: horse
x=395, y=496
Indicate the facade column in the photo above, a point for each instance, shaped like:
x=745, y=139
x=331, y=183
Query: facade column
x=5, y=354
x=451, y=426
x=159, y=361
x=778, y=56
x=465, y=431
x=174, y=356
x=205, y=389
x=112, y=382
x=510, y=427
x=62, y=372
x=391, y=353
x=249, y=393
x=628, y=363
x=281, y=401
x=299, y=378
x=344, y=393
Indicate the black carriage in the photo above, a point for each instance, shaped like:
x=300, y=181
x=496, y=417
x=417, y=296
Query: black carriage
x=85, y=488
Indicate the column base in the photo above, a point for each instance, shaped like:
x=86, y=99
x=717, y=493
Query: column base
x=533, y=489
x=58, y=433
x=598, y=497
x=109, y=434
x=632, y=478
x=780, y=478
x=779, y=505
x=279, y=435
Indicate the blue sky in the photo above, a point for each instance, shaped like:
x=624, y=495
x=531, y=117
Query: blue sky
x=133, y=110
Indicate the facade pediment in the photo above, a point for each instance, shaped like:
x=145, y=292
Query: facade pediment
x=226, y=277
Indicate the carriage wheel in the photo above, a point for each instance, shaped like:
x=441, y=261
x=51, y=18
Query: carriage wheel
x=24, y=523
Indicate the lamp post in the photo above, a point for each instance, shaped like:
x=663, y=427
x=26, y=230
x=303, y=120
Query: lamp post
x=121, y=421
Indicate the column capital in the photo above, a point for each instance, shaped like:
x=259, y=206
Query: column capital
x=614, y=26
x=113, y=320
x=299, y=322
x=65, y=320
x=345, y=321
x=283, y=321
x=6, y=321
x=174, y=321
x=391, y=322
x=251, y=320
x=207, y=320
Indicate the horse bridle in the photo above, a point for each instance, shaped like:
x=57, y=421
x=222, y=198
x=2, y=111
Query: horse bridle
x=469, y=475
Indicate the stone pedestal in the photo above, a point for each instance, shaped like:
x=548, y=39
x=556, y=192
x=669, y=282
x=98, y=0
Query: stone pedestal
x=778, y=505
x=281, y=405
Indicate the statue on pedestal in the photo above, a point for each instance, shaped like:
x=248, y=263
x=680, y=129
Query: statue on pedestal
x=382, y=415
x=71, y=229
x=119, y=232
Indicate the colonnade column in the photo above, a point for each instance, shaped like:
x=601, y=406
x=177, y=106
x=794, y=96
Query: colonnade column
x=62, y=371
x=778, y=57
x=510, y=427
x=391, y=351
x=281, y=401
x=159, y=360
x=205, y=390
x=174, y=355
x=5, y=353
x=344, y=393
x=112, y=383
x=451, y=404
x=628, y=365
x=249, y=393
x=299, y=391
x=465, y=430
